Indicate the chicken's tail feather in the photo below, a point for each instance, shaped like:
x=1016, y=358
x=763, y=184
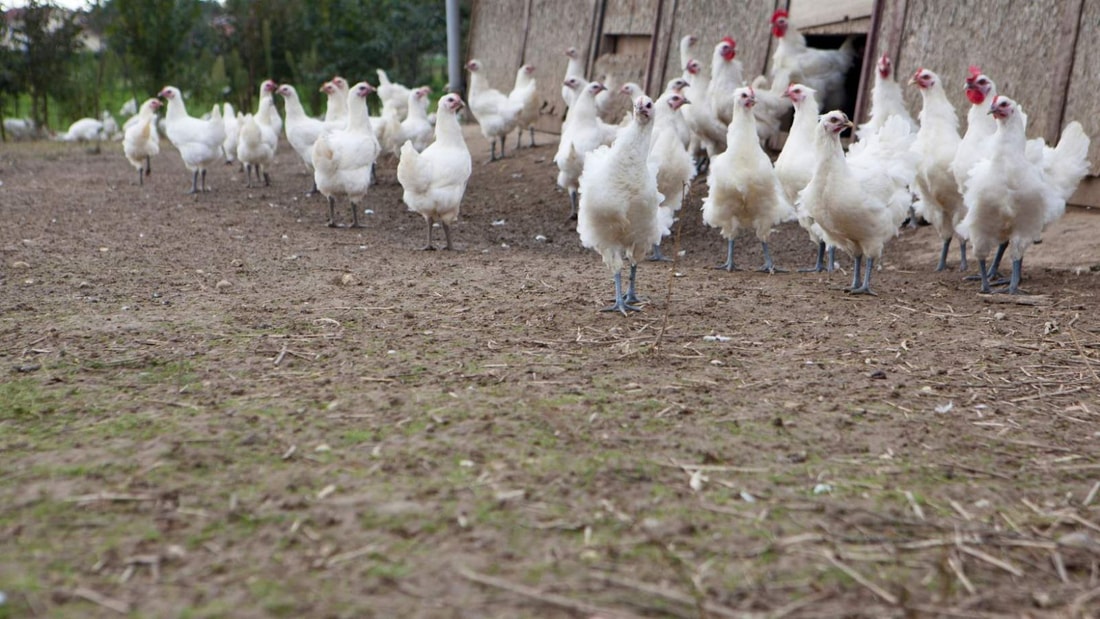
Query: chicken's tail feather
x=1069, y=163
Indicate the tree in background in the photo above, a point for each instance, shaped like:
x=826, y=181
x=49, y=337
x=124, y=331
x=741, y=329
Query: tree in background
x=157, y=39
x=49, y=39
x=217, y=51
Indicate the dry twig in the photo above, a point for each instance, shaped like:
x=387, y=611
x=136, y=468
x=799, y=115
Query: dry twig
x=546, y=598
x=120, y=607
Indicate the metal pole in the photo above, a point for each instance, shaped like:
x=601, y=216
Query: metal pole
x=454, y=49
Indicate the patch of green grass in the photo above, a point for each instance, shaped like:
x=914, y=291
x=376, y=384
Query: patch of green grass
x=273, y=597
x=25, y=398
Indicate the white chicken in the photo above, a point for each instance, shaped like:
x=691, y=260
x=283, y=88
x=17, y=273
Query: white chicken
x=886, y=100
x=938, y=197
x=21, y=128
x=393, y=95
x=859, y=201
x=232, y=126
x=980, y=127
x=435, y=180
x=257, y=142
x=618, y=207
x=495, y=112
x=110, y=126
x=575, y=68
x=678, y=85
x=267, y=91
x=675, y=167
x=628, y=92
x=700, y=114
x=795, y=165
x=580, y=135
x=199, y=141
x=416, y=126
x=612, y=104
x=687, y=43
x=772, y=104
x=336, y=110
x=302, y=130
x=83, y=130
x=824, y=70
x=1014, y=194
x=726, y=75
x=387, y=130
x=343, y=159
x=525, y=92
x=742, y=186
x=141, y=142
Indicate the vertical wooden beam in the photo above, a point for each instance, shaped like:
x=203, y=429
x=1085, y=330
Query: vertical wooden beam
x=1068, y=32
x=671, y=30
x=655, y=35
x=599, y=7
x=897, y=30
x=866, y=70
x=526, y=32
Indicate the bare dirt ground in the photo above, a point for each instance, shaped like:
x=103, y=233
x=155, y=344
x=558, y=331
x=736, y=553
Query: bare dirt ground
x=216, y=406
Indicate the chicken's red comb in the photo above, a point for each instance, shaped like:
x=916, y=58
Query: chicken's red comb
x=974, y=72
x=779, y=13
x=730, y=41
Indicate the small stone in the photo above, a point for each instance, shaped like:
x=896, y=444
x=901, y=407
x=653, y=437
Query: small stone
x=347, y=279
x=19, y=264
x=878, y=374
x=223, y=285
x=999, y=316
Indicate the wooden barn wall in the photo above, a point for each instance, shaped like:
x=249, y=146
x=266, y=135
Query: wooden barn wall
x=496, y=39
x=1084, y=83
x=556, y=25
x=616, y=65
x=1015, y=42
x=747, y=21
x=629, y=16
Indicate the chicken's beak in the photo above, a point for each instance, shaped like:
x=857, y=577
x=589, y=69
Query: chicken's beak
x=685, y=101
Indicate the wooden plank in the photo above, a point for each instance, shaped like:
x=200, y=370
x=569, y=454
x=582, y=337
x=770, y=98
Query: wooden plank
x=1017, y=50
x=629, y=16
x=745, y=20
x=651, y=62
x=665, y=45
x=867, y=69
x=1081, y=102
x=555, y=26
x=810, y=13
x=496, y=39
x=1063, y=68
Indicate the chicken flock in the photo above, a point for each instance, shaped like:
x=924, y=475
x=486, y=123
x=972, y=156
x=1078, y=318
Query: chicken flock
x=626, y=175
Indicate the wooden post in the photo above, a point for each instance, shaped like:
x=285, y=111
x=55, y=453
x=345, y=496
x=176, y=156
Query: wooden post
x=1068, y=31
x=653, y=38
x=526, y=32
x=599, y=7
x=867, y=69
